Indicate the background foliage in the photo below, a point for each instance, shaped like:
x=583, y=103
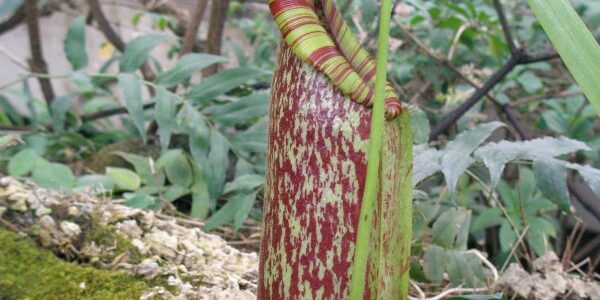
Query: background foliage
x=499, y=173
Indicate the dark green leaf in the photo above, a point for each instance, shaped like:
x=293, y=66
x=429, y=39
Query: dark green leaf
x=452, y=226
x=74, y=45
x=137, y=51
x=186, y=66
x=218, y=162
x=551, y=178
x=246, y=183
x=179, y=171
x=140, y=164
x=200, y=195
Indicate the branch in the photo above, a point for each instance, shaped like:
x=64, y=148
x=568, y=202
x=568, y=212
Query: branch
x=189, y=39
x=110, y=112
x=218, y=16
x=453, y=116
x=37, y=62
x=505, y=28
x=17, y=18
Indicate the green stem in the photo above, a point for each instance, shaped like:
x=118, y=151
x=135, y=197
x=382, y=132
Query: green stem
x=361, y=255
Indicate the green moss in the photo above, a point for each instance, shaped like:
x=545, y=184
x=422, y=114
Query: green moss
x=105, y=235
x=29, y=272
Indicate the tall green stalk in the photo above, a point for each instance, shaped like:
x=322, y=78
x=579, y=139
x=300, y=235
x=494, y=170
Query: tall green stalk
x=359, y=272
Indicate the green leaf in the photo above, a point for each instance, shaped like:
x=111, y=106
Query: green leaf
x=200, y=195
x=551, y=178
x=142, y=201
x=426, y=162
x=433, y=263
x=74, y=45
x=218, y=162
x=254, y=139
x=489, y=217
x=137, y=51
x=246, y=182
x=179, y=171
x=123, y=178
x=24, y=162
x=186, y=66
x=464, y=270
x=496, y=155
x=222, y=83
x=165, y=110
x=95, y=181
x=452, y=227
x=140, y=164
x=497, y=296
x=175, y=192
x=592, y=177
x=508, y=237
x=574, y=42
x=456, y=157
x=59, y=108
x=235, y=211
x=131, y=88
x=420, y=126
x=54, y=176
x=240, y=111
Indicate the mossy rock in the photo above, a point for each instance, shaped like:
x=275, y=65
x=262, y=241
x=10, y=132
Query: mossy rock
x=30, y=272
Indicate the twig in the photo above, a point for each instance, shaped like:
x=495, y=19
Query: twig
x=189, y=39
x=456, y=38
x=457, y=290
x=510, y=113
x=525, y=100
x=456, y=114
x=216, y=28
x=10, y=225
x=37, y=62
x=17, y=18
x=14, y=58
x=505, y=28
x=486, y=262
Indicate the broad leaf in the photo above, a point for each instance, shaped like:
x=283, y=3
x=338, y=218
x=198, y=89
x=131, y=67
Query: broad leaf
x=143, y=202
x=496, y=155
x=123, y=178
x=179, y=171
x=574, y=42
x=426, y=162
x=74, y=45
x=186, y=66
x=218, y=162
x=551, y=176
x=433, y=263
x=222, y=83
x=131, y=88
x=54, y=176
x=95, y=181
x=141, y=165
x=451, y=229
x=24, y=162
x=457, y=154
x=137, y=51
x=59, y=108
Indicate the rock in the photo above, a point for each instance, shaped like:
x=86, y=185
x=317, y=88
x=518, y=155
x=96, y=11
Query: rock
x=70, y=229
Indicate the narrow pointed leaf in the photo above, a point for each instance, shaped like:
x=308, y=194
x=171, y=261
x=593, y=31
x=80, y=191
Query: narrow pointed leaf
x=137, y=51
x=186, y=66
x=574, y=42
x=222, y=83
x=131, y=88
